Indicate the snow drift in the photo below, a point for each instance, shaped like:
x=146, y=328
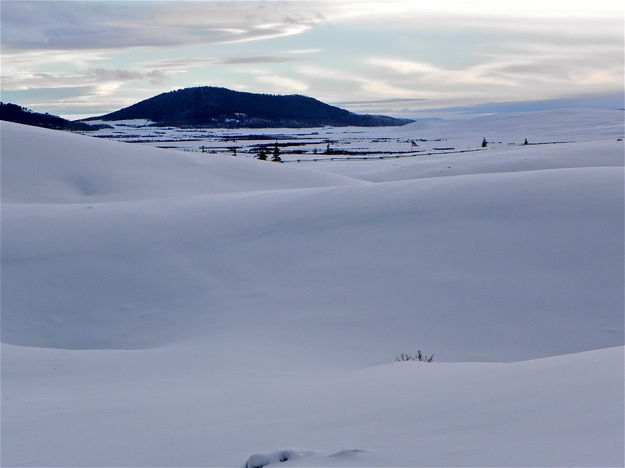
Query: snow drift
x=48, y=166
x=499, y=266
x=207, y=310
x=181, y=406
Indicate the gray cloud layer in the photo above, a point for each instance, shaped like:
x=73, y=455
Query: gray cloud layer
x=193, y=62
x=64, y=25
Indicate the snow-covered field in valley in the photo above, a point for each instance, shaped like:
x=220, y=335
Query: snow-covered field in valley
x=176, y=308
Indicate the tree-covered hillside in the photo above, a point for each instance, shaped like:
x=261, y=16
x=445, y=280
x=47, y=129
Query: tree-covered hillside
x=220, y=107
x=14, y=113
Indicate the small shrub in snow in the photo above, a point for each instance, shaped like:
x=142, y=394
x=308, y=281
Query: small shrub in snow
x=419, y=356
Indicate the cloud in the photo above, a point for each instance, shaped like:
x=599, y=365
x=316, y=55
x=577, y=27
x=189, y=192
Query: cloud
x=105, y=81
x=266, y=31
x=21, y=61
x=517, y=66
x=198, y=62
x=422, y=73
x=59, y=25
x=377, y=87
x=534, y=8
x=407, y=67
x=542, y=65
x=327, y=73
x=303, y=51
x=117, y=75
x=254, y=59
x=396, y=101
x=281, y=84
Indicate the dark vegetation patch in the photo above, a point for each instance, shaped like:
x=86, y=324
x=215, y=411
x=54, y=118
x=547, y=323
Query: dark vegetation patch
x=208, y=106
x=14, y=113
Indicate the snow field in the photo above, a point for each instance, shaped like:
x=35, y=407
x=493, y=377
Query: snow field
x=160, y=309
x=178, y=406
x=47, y=166
x=490, y=276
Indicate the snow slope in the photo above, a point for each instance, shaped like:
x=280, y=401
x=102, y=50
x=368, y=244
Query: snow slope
x=605, y=153
x=81, y=169
x=558, y=139
x=178, y=406
x=498, y=256
x=543, y=126
x=206, y=310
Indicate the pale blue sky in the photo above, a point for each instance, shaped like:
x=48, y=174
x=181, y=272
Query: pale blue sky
x=397, y=57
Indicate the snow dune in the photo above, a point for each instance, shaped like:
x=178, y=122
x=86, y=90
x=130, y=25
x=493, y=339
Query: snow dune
x=179, y=406
x=164, y=309
x=48, y=166
x=483, y=267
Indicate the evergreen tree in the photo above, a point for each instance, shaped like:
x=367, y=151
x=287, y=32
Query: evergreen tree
x=484, y=143
x=276, y=154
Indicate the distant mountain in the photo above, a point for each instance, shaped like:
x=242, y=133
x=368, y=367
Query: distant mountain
x=14, y=113
x=209, y=106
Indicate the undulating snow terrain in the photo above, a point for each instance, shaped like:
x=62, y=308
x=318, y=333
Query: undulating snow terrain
x=167, y=308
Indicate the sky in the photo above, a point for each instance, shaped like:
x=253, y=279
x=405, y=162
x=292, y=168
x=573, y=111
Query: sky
x=394, y=57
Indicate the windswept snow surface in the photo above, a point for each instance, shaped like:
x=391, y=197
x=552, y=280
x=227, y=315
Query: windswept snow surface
x=164, y=309
x=543, y=126
x=77, y=169
x=181, y=406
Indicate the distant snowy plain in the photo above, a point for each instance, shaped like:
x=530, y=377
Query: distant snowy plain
x=169, y=308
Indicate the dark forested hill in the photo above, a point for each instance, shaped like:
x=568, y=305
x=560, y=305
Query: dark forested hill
x=220, y=107
x=14, y=113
